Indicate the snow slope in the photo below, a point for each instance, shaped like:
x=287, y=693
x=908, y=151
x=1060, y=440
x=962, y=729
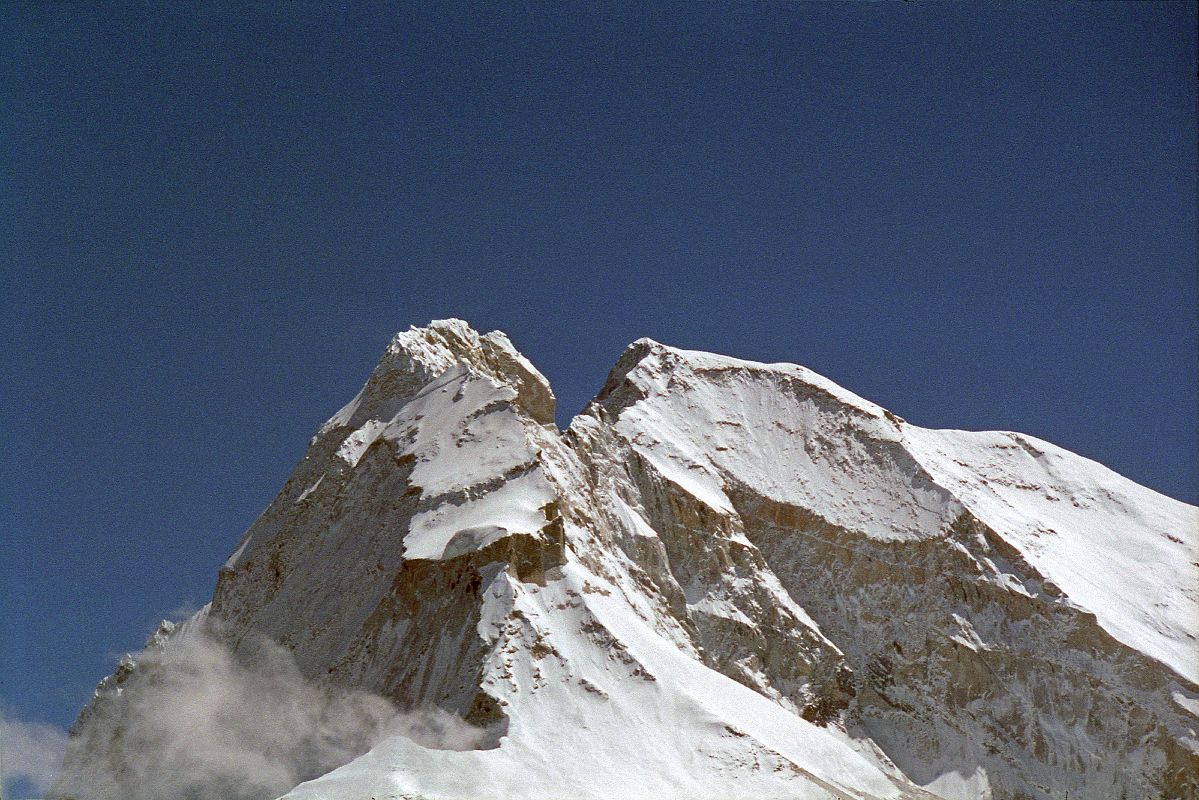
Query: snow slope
x=585, y=725
x=1116, y=549
x=725, y=579
x=1122, y=552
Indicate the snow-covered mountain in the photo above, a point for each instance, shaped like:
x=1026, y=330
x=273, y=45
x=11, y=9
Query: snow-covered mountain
x=725, y=579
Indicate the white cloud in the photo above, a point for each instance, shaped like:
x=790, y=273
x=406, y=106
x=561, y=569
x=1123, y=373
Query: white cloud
x=193, y=721
x=30, y=751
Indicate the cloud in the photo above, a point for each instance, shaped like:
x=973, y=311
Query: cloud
x=193, y=721
x=30, y=751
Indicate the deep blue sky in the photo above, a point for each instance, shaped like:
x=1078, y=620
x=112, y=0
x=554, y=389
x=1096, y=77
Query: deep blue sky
x=979, y=216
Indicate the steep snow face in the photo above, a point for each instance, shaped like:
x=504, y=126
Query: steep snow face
x=602, y=706
x=985, y=588
x=711, y=424
x=707, y=422
x=1123, y=552
x=725, y=579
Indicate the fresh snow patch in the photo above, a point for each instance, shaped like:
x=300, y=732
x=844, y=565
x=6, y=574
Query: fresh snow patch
x=451, y=529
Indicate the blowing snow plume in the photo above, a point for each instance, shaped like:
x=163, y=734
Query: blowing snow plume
x=204, y=724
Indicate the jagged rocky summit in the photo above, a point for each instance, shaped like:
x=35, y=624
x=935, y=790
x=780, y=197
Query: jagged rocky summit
x=725, y=579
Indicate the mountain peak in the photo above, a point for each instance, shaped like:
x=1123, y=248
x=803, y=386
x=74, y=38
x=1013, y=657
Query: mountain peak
x=727, y=579
x=446, y=342
x=650, y=367
x=416, y=357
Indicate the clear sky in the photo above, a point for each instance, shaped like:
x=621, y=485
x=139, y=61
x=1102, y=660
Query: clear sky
x=978, y=216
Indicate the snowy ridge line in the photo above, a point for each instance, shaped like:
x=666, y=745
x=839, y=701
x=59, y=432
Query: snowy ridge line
x=705, y=363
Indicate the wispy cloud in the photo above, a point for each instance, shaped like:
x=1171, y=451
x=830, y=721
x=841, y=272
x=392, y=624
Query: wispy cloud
x=30, y=751
x=194, y=721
